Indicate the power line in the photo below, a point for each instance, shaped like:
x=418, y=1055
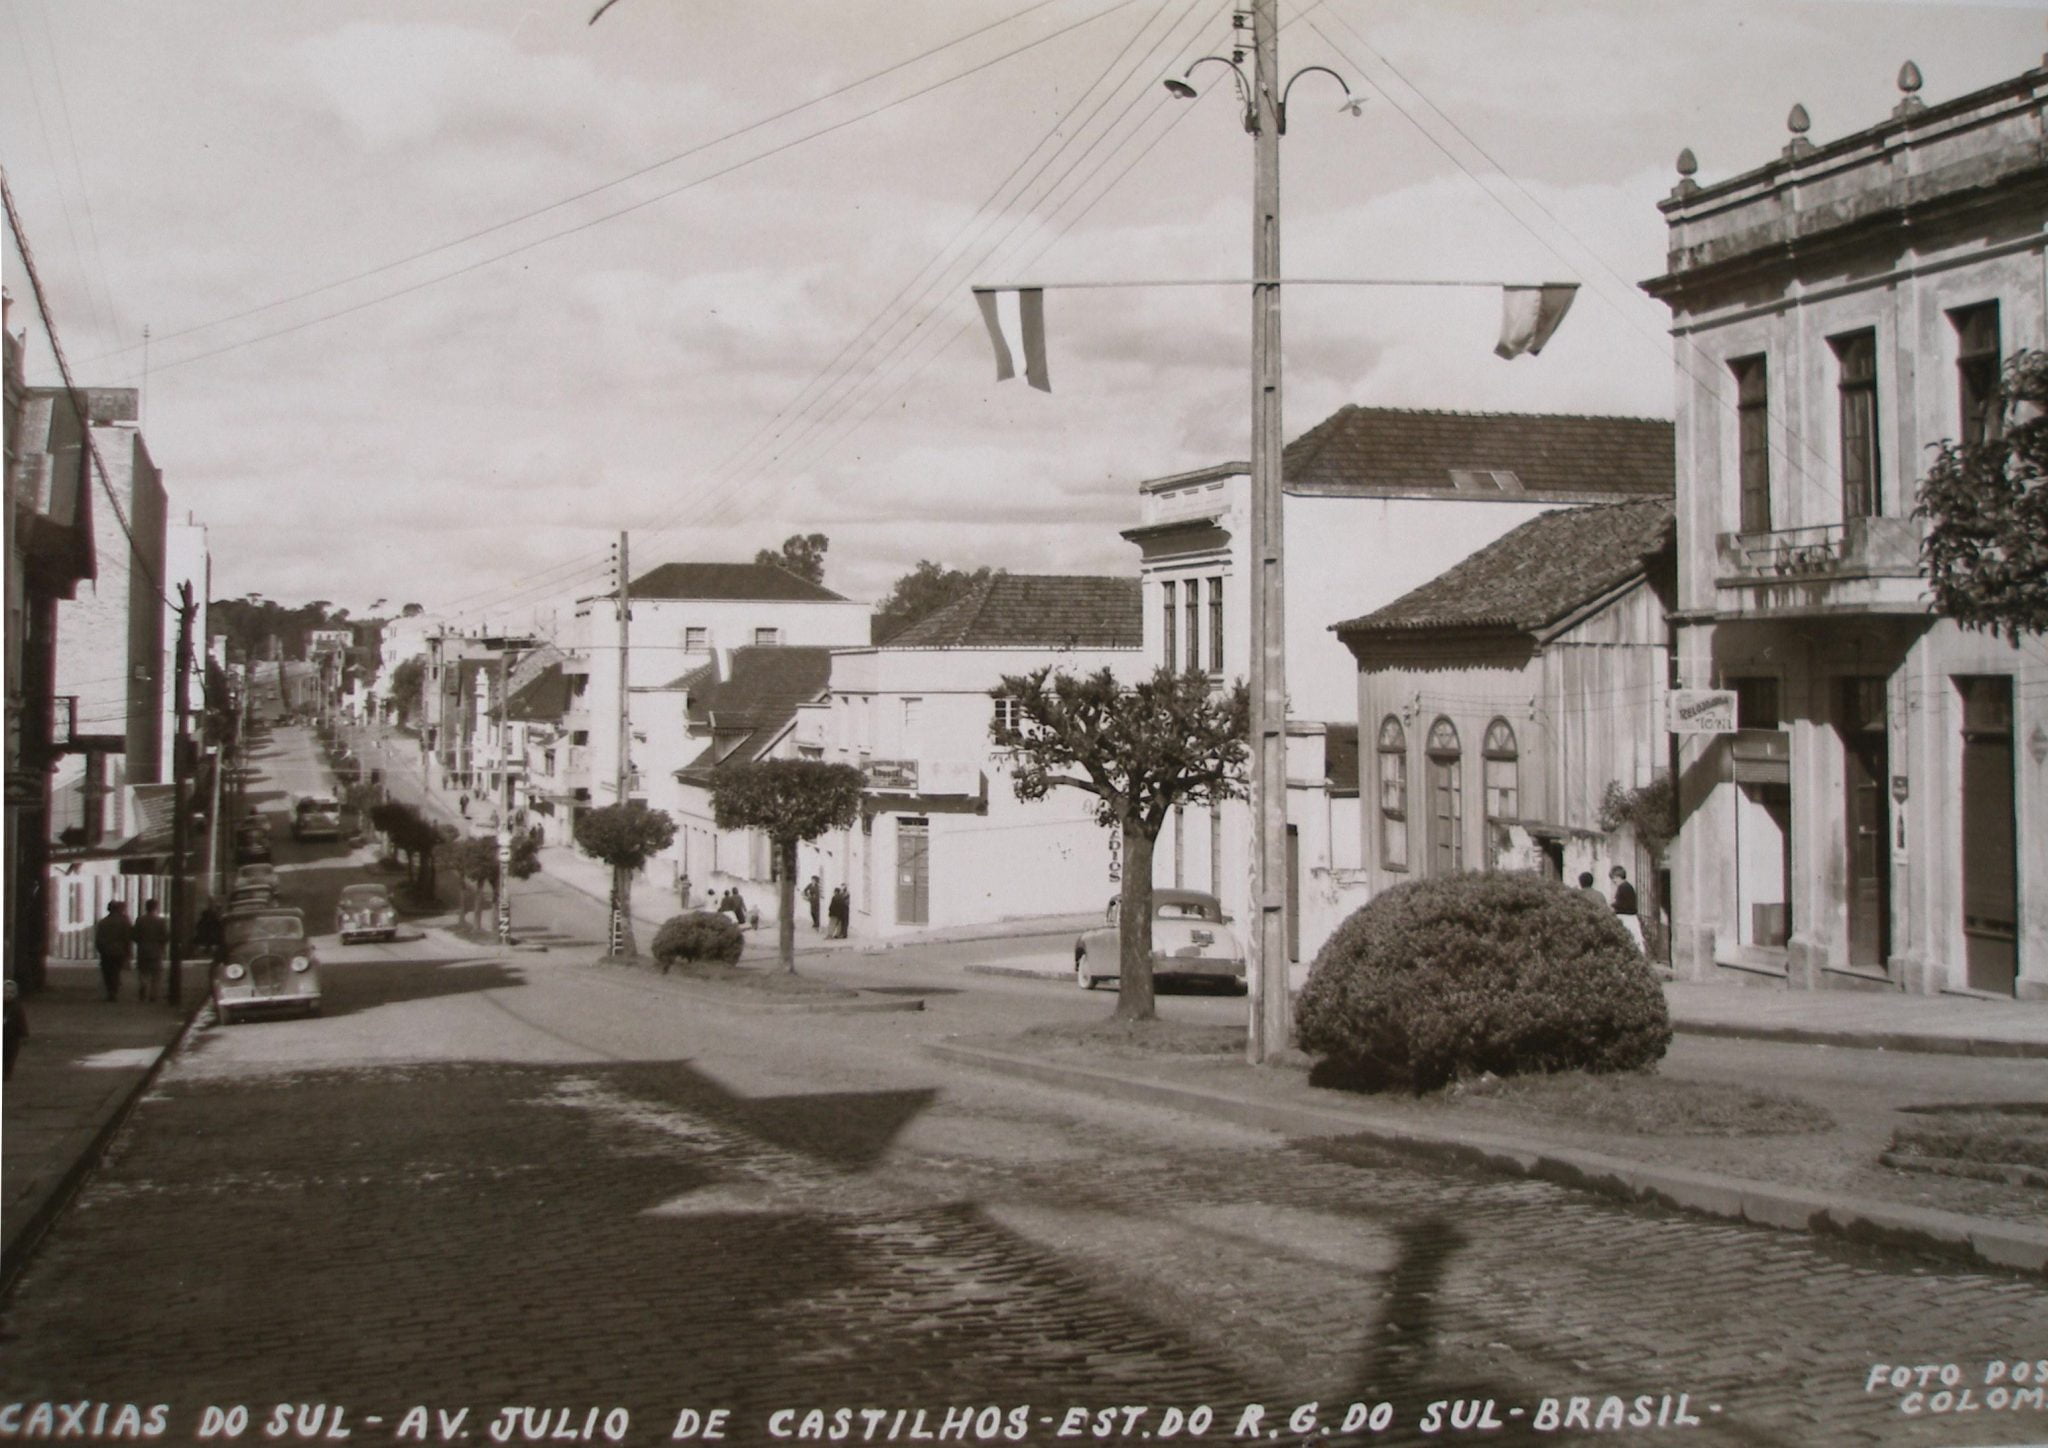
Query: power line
x=71, y=390
x=591, y=191
x=634, y=206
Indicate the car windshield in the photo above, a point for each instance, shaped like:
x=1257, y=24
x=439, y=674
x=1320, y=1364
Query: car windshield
x=266, y=927
x=362, y=895
x=1186, y=910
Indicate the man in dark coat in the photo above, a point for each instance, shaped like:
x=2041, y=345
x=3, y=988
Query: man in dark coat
x=811, y=896
x=152, y=934
x=114, y=939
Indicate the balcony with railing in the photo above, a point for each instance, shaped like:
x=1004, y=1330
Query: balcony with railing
x=1860, y=565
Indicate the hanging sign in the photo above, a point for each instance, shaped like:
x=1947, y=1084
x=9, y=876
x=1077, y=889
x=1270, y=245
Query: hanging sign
x=1700, y=711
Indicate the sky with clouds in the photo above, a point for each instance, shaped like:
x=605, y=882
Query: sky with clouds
x=442, y=294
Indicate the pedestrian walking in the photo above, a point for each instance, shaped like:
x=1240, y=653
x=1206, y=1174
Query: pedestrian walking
x=1592, y=891
x=152, y=934
x=463, y=804
x=1625, y=905
x=840, y=909
x=210, y=934
x=683, y=891
x=812, y=894
x=114, y=939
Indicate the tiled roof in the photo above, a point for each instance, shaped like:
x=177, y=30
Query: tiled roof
x=544, y=698
x=1534, y=576
x=765, y=686
x=1462, y=452
x=747, y=581
x=1035, y=610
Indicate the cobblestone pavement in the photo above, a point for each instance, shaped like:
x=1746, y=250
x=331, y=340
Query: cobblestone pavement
x=576, y=1239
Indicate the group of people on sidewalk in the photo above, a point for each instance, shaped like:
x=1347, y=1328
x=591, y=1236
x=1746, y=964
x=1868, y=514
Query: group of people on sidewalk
x=144, y=942
x=1623, y=904
x=839, y=910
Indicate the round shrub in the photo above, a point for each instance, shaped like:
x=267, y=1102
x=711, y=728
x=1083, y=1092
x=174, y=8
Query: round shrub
x=1448, y=978
x=699, y=935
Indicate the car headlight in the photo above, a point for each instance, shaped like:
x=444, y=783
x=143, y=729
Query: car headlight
x=300, y=963
x=236, y=970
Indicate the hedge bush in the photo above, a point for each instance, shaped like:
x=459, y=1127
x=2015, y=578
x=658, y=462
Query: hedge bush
x=699, y=935
x=1447, y=978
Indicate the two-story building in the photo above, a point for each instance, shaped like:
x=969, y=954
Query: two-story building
x=1375, y=502
x=943, y=839
x=683, y=616
x=1876, y=819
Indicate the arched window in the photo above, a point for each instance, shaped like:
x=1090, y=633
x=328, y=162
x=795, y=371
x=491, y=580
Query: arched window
x=1446, y=799
x=1503, y=788
x=1393, y=757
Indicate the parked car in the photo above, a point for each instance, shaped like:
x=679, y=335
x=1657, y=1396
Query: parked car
x=256, y=874
x=252, y=841
x=364, y=912
x=316, y=817
x=246, y=899
x=1191, y=941
x=270, y=968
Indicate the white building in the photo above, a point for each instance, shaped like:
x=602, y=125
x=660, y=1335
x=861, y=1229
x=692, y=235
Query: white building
x=1376, y=502
x=685, y=616
x=943, y=839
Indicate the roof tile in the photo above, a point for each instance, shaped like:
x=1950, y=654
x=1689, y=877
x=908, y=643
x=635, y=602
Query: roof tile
x=1035, y=610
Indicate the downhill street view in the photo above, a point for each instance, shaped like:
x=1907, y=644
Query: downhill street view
x=710, y=741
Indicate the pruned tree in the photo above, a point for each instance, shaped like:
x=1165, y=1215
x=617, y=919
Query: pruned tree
x=924, y=590
x=626, y=837
x=791, y=801
x=473, y=860
x=1986, y=504
x=802, y=554
x=411, y=834
x=1140, y=750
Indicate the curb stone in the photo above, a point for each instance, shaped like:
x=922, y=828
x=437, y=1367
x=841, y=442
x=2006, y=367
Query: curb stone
x=2006, y=1245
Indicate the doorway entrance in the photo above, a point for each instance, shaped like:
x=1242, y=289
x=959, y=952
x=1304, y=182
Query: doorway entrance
x=1991, y=910
x=1866, y=754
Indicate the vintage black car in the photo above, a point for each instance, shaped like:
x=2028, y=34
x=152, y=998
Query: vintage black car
x=270, y=968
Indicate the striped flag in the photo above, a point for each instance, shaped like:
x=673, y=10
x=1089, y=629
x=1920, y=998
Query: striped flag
x=1530, y=314
x=1030, y=323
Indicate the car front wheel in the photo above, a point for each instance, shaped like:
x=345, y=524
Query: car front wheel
x=1081, y=976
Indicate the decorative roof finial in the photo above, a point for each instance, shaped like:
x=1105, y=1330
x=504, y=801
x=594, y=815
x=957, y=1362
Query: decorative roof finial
x=1799, y=123
x=1909, y=82
x=1687, y=165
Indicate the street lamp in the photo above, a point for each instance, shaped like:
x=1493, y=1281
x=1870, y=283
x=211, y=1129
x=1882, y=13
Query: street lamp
x=1265, y=117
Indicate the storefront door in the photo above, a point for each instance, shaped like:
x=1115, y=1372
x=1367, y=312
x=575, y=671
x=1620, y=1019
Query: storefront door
x=1867, y=761
x=913, y=871
x=1990, y=875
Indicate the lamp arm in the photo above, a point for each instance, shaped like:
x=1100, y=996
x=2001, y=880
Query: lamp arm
x=1281, y=110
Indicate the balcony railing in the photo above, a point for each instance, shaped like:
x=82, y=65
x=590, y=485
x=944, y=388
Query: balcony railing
x=1886, y=547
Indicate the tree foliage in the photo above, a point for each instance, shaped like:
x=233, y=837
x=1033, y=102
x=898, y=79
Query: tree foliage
x=624, y=836
x=1986, y=504
x=790, y=801
x=408, y=681
x=919, y=593
x=802, y=554
x=1139, y=750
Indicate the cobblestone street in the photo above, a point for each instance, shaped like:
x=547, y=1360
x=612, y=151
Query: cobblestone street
x=436, y=1238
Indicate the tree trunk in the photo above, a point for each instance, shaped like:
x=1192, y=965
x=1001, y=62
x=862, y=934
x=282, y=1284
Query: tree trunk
x=785, y=892
x=622, y=902
x=1134, y=1000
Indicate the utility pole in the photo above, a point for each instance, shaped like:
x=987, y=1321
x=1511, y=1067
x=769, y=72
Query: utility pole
x=622, y=928
x=1268, y=1028
x=174, y=984
x=504, y=799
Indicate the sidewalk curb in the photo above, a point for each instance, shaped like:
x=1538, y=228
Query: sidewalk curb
x=1871, y=1040
x=2006, y=1245
x=19, y=1249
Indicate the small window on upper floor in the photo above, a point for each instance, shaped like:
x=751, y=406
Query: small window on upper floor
x=1753, y=443
x=767, y=637
x=1009, y=713
x=1862, y=488
x=696, y=640
x=1976, y=373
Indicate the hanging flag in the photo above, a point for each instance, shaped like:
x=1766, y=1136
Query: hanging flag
x=1530, y=314
x=1030, y=322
